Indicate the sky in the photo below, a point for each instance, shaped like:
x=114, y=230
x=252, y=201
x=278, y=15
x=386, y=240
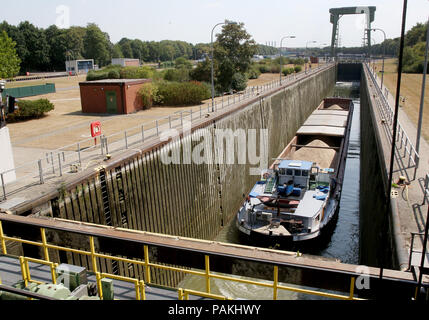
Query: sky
x=193, y=20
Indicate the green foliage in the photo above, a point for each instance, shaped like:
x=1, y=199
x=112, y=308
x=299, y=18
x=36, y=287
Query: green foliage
x=113, y=74
x=97, y=45
x=297, y=69
x=203, y=71
x=29, y=109
x=143, y=72
x=182, y=62
x=288, y=71
x=266, y=50
x=233, y=52
x=150, y=95
x=178, y=75
x=253, y=72
x=239, y=82
x=182, y=93
x=9, y=61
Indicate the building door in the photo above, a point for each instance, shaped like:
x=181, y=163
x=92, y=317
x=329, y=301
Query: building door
x=111, y=102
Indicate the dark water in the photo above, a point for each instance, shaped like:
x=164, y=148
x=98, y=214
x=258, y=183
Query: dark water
x=342, y=242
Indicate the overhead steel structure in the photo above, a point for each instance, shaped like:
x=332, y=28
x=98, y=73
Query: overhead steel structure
x=337, y=13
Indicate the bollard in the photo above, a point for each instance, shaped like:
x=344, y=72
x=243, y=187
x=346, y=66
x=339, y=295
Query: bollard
x=41, y=172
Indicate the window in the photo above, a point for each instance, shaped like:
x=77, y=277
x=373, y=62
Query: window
x=297, y=173
x=289, y=172
x=305, y=173
x=282, y=172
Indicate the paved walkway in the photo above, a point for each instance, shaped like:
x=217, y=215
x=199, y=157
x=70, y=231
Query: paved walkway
x=412, y=212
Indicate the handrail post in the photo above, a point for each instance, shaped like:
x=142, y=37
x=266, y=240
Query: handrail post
x=146, y=261
x=276, y=282
x=78, y=150
x=411, y=251
x=59, y=165
x=352, y=288
x=207, y=264
x=41, y=172
x=126, y=139
x=3, y=242
x=94, y=267
x=45, y=248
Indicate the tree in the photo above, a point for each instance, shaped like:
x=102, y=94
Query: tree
x=57, y=42
x=35, y=55
x=233, y=50
x=9, y=61
x=116, y=51
x=75, y=45
x=96, y=45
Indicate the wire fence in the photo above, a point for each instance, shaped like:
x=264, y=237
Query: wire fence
x=73, y=156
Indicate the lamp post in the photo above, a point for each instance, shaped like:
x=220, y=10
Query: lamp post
x=280, y=51
x=384, y=52
x=306, y=48
x=212, y=72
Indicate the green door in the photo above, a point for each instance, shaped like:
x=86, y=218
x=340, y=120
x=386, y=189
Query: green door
x=111, y=102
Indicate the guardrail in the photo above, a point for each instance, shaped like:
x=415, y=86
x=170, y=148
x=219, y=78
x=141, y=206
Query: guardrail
x=55, y=162
x=183, y=294
x=406, y=148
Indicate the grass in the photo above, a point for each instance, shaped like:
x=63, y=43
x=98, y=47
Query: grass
x=411, y=86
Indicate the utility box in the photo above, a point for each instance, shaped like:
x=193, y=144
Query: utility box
x=71, y=276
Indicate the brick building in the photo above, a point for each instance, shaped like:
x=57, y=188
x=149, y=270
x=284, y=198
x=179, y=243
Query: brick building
x=111, y=96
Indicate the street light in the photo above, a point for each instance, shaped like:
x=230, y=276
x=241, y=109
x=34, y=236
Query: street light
x=384, y=52
x=212, y=76
x=306, y=48
x=280, y=51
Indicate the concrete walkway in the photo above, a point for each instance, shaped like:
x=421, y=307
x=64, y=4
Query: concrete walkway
x=412, y=212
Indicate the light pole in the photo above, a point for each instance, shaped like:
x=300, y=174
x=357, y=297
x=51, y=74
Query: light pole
x=306, y=48
x=384, y=53
x=212, y=75
x=422, y=97
x=280, y=51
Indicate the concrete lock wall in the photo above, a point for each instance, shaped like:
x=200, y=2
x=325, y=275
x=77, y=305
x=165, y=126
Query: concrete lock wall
x=373, y=189
x=190, y=200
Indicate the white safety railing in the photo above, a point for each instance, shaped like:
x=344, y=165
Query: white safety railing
x=404, y=147
x=55, y=162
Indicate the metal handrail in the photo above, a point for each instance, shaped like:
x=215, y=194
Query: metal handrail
x=387, y=112
x=145, y=131
x=426, y=190
x=139, y=284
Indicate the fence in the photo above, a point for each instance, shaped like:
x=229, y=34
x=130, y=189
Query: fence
x=74, y=155
x=405, y=150
x=29, y=91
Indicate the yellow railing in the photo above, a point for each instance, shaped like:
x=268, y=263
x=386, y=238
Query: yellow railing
x=183, y=294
